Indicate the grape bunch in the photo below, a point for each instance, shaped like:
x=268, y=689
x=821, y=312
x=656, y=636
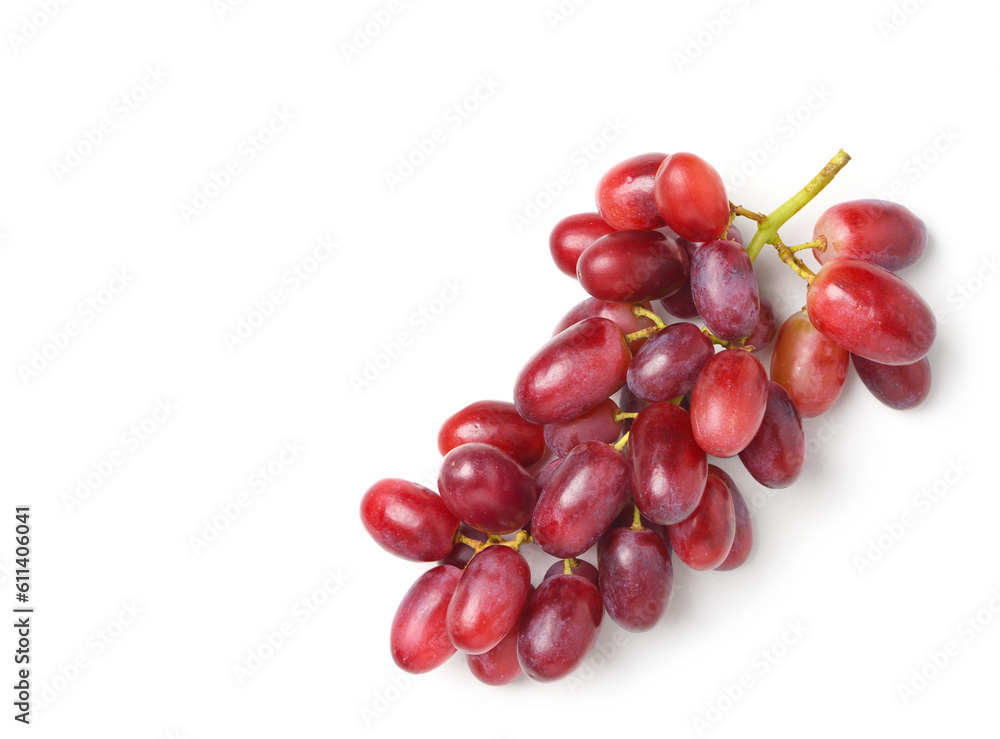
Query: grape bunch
x=619, y=415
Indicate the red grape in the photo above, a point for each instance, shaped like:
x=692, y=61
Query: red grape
x=560, y=626
x=765, y=329
x=494, y=422
x=597, y=424
x=777, y=453
x=702, y=541
x=486, y=488
x=636, y=577
x=899, y=386
x=408, y=520
x=580, y=500
x=681, y=304
x=542, y=478
x=877, y=231
x=573, y=372
x=724, y=289
x=488, y=599
x=632, y=266
x=625, y=193
x=668, y=467
x=572, y=235
x=808, y=365
x=668, y=365
x=691, y=197
x=498, y=666
x=418, y=638
x=870, y=312
x=743, y=541
x=728, y=402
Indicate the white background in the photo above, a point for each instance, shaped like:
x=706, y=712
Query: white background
x=768, y=92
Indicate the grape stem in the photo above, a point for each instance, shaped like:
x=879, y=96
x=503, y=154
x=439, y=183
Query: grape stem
x=636, y=521
x=739, y=210
x=794, y=262
x=620, y=444
x=622, y=415
x=492, y=540
x=767, y=229
x=569, y=565
x=819, y=245
x=639, y=312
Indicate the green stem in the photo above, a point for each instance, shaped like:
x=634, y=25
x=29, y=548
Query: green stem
x=739, y=210
x=622, y=415
x=636, y=520
x=819, y=244
x=767, y=231
x=569, y=565
x=798, y=267
x=620, y=444
x=639, y=312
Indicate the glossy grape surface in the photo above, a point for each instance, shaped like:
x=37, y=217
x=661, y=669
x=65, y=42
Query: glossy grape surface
x=870, y=312
x=580, y=500
x=486, y=488
x=408, y=520
x=728, y=402
x=691, y=197
x=498, y=666
x=572, y=235
x=488, y=599
x=898, y=386
x=418, y=638
x=668, y=468
x=778, y=451
x=724, y=289
x=739, y=552
x=703, y=540
x=494, y=422
x=636, y=577
x=560, y=626
x=808, y=365
x=877, y=231
x=573, y=372
x=625, y=193
x=669, y=363
x=632, y=266
x=597, y=424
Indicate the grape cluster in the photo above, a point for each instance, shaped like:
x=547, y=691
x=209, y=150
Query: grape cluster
x=635, y=477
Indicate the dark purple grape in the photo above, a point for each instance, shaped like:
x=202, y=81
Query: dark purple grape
x=488, y=599
x=636, y=577
x=597, y=424
x=560, y=626
x=681, y=304
x=461, y=553
x=580, y=500
x=778, y=451
x=724, y=288
x=418, y=639
x=668, y=365
x=668, y=468
x=486, y=488
x=899, y=386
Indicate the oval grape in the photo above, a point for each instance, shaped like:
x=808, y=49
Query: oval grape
x=636, y=577
x=418, y=638
x=702, y=541
x=633, y=266
x=572, y=235
x=485, y=488
x=728, y=402
x=778, y=451
x=494, y=422
x=408, y=520
x=877, y=231
x=691, y=197
x=625, y=193
x=724, y=289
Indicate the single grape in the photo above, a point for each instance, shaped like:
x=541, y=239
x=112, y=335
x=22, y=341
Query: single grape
x=573, y=372
x=620, y=313
x=899, y=386
x=668, y=468
x=486, y=488
x=765, y=328
x=632, y=266
x=494, y=422
x=877, y=231
x=777, y=453
x=702, y=541
x=580, y=500
x=636, y=577
x=681, y=304
x=418, y=638
x=668, y=365
x=498, y=666
x=728, y=402
x=560, y=626
x=488, y=599
x=597, y=424
x=870, y=312
x=625, y=193
x=808, y=365
x=572, y=235
x=724, y=289
x=583, y=568
x=408, y=520
x=691, y=197
x=743, y=540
